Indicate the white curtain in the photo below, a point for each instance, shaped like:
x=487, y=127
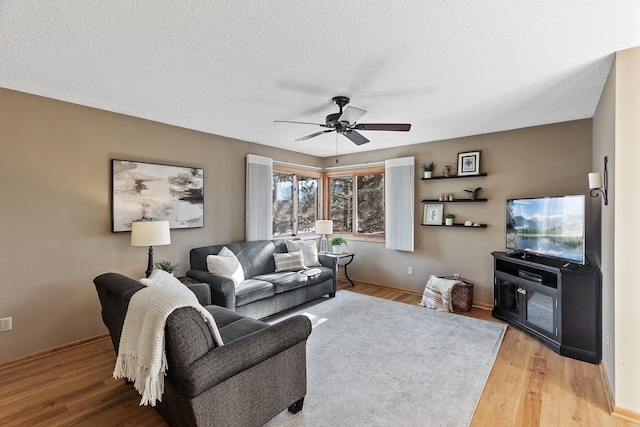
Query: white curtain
x=259, y=198
x=399, y=203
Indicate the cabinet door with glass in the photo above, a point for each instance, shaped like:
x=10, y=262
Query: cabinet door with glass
x=532, y=305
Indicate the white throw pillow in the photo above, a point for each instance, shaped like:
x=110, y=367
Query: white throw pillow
x=309, y=251
x=226, y=264
x=291, y=261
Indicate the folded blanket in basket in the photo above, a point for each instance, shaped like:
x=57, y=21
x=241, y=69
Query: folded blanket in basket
x=437, y=293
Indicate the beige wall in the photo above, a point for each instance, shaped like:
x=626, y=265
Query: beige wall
x=603, y=218
x=55, y=209
x=616, y=132
x=538, y=161
x=55, y=226
x=627, y=230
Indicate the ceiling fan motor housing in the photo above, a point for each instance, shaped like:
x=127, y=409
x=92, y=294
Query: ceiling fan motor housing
x=332, y=119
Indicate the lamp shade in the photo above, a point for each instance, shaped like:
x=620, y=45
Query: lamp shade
x=150, y=233
x=324, y=226
x=595, y=180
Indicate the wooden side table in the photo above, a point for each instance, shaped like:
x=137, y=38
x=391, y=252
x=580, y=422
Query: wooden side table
x=344, y=255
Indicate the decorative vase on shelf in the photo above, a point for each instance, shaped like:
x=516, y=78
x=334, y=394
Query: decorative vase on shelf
x=427, y=174
x=337, y=249
x=473, y=194
x=448, y=221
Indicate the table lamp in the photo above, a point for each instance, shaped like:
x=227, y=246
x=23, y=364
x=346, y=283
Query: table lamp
x=150, y=233
x=324, y=227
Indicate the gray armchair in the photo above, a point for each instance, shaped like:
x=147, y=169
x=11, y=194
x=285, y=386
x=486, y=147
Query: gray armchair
x=258, y=372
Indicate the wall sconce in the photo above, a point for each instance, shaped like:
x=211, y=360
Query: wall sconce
x=324, y=227
x=150, y=233
x=596, y=183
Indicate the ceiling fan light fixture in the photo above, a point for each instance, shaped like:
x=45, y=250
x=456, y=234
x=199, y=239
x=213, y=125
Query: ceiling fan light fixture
x=344, y=122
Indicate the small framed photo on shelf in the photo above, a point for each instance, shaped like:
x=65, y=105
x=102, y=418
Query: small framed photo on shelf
x=432, y=214
x=469, y=163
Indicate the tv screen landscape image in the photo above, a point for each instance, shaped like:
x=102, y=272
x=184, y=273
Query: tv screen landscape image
x=548, y=226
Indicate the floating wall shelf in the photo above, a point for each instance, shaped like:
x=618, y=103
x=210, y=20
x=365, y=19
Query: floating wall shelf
x=455, y=225
x=453, y=201
x=453, y=177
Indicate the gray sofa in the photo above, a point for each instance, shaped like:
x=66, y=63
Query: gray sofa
x=258, y=372
x=264, y=292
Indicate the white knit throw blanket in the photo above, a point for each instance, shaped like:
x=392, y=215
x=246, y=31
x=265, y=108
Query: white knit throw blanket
x=437, y=293
x=141, y=356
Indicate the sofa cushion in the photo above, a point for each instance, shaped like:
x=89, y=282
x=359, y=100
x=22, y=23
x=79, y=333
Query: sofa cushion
x=309, y=251
x=256, y=257
x=241, y=328
x=325, y=274
x=222, y=315
x=285, y=281
x=226, y=264
x=253, y=290
x=292, y=261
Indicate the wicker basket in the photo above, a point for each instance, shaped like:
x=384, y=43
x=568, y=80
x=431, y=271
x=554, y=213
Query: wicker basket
x=461, y=294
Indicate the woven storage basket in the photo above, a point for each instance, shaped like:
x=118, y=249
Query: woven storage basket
x=461, y=294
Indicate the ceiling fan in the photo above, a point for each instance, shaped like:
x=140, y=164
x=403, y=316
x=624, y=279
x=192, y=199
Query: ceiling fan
x=344, y=122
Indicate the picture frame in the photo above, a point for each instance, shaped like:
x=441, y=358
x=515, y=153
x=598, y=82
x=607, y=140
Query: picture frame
x=469, y=163
x=151, y=191
x=433, y=214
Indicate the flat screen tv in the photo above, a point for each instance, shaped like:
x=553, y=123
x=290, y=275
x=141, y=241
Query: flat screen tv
x=548, y=226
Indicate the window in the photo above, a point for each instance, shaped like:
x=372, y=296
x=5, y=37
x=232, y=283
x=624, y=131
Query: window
x=295, y=202
x=355, y=202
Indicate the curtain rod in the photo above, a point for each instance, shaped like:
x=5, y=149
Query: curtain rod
x=329, y=168
x=355, y=166
x=297, y=165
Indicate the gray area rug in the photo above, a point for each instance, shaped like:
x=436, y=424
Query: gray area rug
x=374, y=362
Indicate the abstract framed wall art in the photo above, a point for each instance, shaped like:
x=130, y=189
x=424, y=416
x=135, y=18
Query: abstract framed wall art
x=469, y=163
x=145, y=191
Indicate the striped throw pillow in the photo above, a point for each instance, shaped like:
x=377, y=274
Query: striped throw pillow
x=291, y=261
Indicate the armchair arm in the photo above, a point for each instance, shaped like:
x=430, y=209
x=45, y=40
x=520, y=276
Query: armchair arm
x=224, y=362
x=202, y=291
x=328, y=261
x=332, y=263
x=222, y=288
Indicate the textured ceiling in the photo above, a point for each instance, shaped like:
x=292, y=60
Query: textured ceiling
x=450, y=67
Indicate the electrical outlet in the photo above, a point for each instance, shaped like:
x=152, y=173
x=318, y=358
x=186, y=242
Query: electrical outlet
x=456, y=275
x=5, y=324
x=410, y=270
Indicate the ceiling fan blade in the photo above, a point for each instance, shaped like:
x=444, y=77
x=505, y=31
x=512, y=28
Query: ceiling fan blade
x=300, y=123
x=304, y=138
x=400, y=127
x=351, y=114
x=355, y=137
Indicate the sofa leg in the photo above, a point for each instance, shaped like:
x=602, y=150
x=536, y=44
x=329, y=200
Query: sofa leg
x=332, y=294
x=296, y=407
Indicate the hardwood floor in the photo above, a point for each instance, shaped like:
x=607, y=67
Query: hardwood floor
x=529, y=385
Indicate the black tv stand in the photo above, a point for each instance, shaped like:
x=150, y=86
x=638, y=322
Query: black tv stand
x=558, y=304
x=518, y=254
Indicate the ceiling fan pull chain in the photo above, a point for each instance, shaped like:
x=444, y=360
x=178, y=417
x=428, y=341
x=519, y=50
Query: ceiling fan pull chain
x=336, y=148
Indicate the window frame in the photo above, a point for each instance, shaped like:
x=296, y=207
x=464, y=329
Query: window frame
x=295, y=172
x=353, y=174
